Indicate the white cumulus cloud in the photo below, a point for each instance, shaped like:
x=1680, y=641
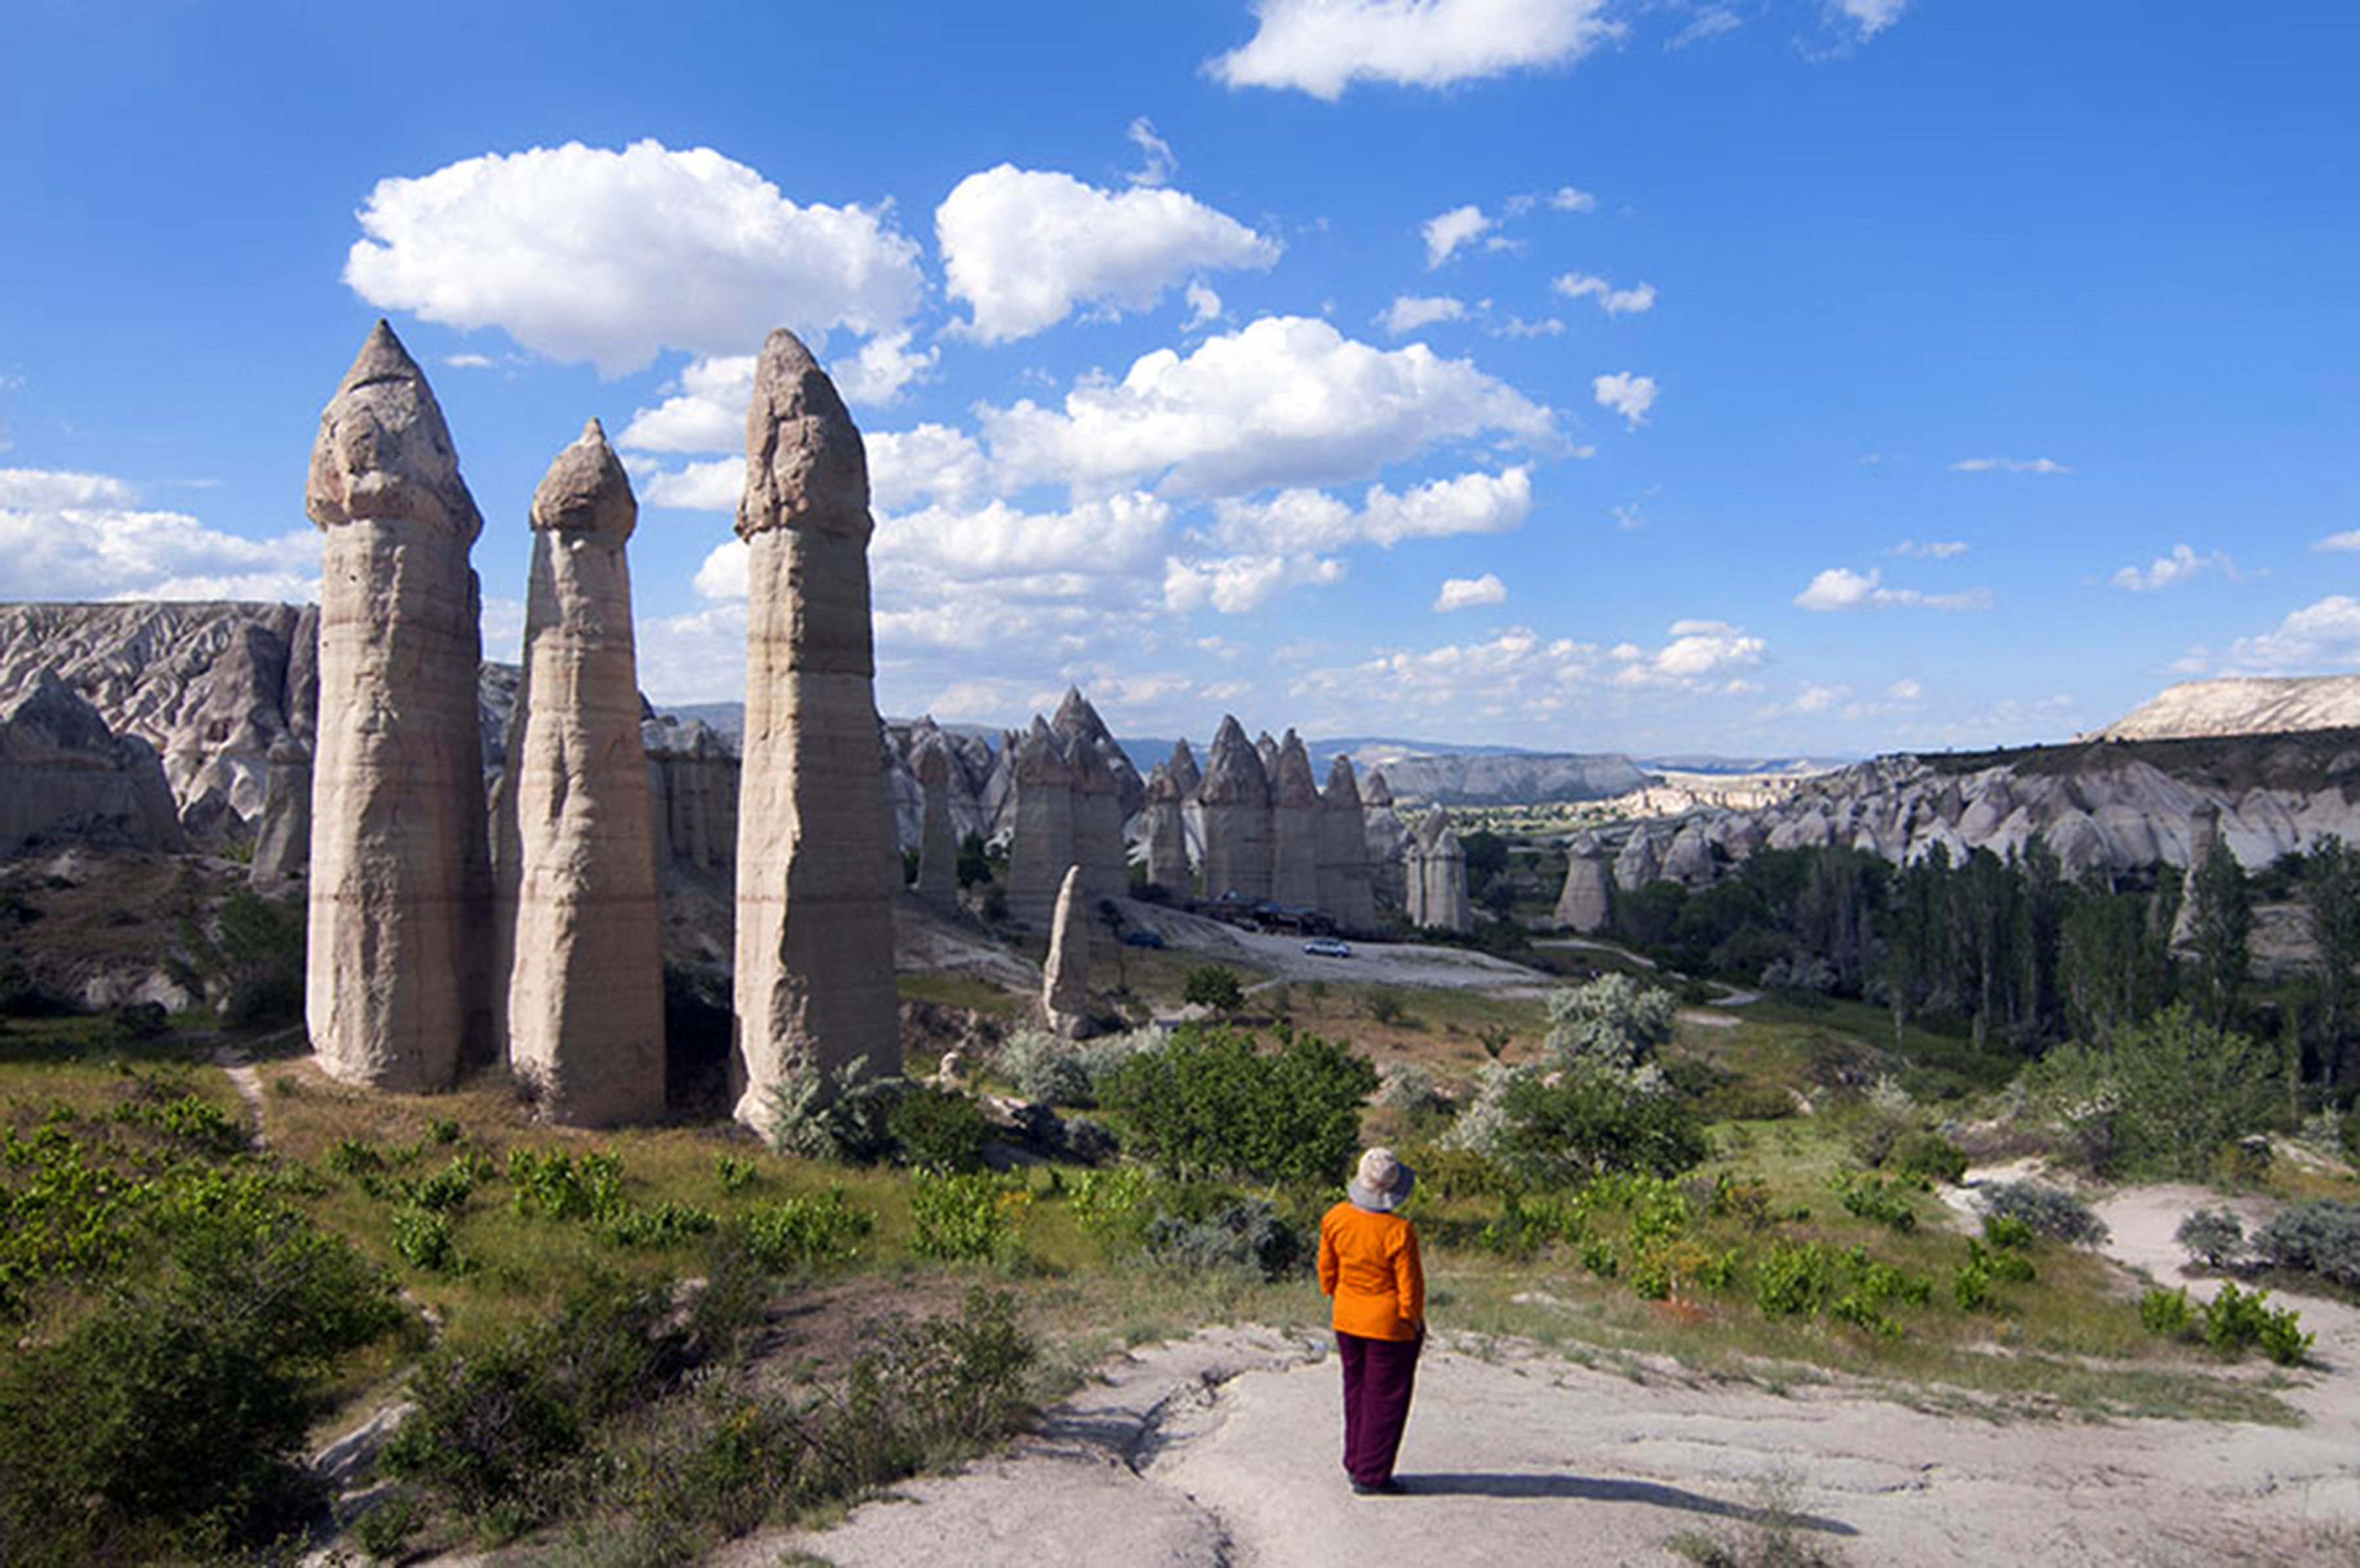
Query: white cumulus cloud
x=2009, y=465
x=1447, y=233
x=1465, y=592
x=1024, y=248
x=1612, y=301
x=582, y=253
x=1235, y=584
x=65, y=535
x=1300, y=520
x=1284, y=400
x=712, y=486
x=1840, y=588
x=1870, y=17
x=1628, y=394
x=1408, y=312
x=2178, y=567
x=1322, y=47
x=2348, y=539
x=2322, y=635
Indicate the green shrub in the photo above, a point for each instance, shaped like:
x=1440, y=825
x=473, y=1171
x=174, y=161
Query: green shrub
x=1212, y=985
x=2320, y=1238
x=1211, y=1102
x=2007, y=1231
x=735, y=1172
x=974, y=1216
x=1046, y=1069
x=1796, y=1279
x=797, y=1232
x=2213, y=1237
x=1927, y=1156
x=669, y=1223
x=422, y=1238
x=2237, y=1320
x=2167, y=1313
x=1113, y=1207
x=1241, y=1234
x=938, y=1129
x=1614, y=1021
x=446, y=1191
x=556, y=1185
x=179, y=1405
x=191, y=1121
x=1873, y=1198
x=2050, y=1211
x=838, y=1115
x=1446, y=1171
x=1591, y=1122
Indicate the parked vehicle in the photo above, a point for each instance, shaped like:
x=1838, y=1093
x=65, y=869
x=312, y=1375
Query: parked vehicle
x=1328, y=947
x=1142, y=939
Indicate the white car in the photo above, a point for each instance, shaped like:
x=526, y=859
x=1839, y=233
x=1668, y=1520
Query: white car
x=1328, y=947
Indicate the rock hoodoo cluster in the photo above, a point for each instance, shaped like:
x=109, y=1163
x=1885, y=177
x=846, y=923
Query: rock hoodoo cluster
x=815, y=862
x=1436, y=873
x=1234, y=798
x=581, y=933
x=1586, y=902
x=397, y=984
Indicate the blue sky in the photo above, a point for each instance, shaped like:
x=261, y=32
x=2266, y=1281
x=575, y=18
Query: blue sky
x=1647, y=374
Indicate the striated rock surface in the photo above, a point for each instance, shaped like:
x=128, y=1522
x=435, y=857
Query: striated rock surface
x=1437, y=875
x=64, y=775
x=1077, y=723
x=584, y=933
x=1295, y=838
x=282, y=846
x=1167, y=834
x=938, y=843
x=693, y=773
x=814, y=934
x=398, y=984
x=1344, y=887
x=1065, y=978
x=1042, y=847
x=1638, y=865
x=1098, y=822
x=1186, y=775
x=1389, y=843
x=1585, y=901
x=2242, y=705
x=1476, y=778
x=1235, y=799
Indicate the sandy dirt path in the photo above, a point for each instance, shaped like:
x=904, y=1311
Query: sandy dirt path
x=1222, y=1450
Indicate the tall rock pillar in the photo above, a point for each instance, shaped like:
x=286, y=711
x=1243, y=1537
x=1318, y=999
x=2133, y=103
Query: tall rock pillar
x=815, y=985
x=1167, y=836
x=1586, y=902
x=1294, y=827
x=1042, y=845
x=585, y=938
x=1344, y=891
x=1235, y=796
x=937, y=839
x=397, y=989
x=1065, y=978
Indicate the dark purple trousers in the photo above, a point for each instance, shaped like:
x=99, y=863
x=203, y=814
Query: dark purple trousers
x=1379, y=1377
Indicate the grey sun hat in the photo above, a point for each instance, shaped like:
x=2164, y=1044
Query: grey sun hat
x=1382, y=1183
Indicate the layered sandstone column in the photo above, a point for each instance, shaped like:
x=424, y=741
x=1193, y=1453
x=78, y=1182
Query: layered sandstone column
x=1294, y=827
x=1390, y=842
x=1344, y=891
x=1097, y=825
x=1065, y=978
x=1167, y=836
x=814, y=984
x=1586, y=902
x=1043, y=845
x=1439, y=873
x=1235, y=797
x=585, y=983
x=938, y=840
x=397, y=990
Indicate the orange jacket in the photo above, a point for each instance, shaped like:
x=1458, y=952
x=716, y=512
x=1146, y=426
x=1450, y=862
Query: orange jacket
x=1369, y=1262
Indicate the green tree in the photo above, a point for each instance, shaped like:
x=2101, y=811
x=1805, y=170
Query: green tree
x=2330, y=891
x=2160, y=1097
x=1213, y=1103
x=1614, y=1021
x=1212, y=985
x=1594, y=1122
x=2220, y=928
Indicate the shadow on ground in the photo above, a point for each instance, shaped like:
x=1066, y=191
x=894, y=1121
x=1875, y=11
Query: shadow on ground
x=1492, y=1483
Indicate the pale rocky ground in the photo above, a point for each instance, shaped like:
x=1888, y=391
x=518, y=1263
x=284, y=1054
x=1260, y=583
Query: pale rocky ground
x=1221, y=1449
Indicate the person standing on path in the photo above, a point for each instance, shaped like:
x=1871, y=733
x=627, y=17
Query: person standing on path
x=1369, y=1263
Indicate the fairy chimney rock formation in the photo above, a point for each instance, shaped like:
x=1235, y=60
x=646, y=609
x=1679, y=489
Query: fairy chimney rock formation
x=397, y=982
x=1587, y=900
x=1042, y=847
x=1167, y=834
x=583, y=934
x=1186, y=775
x=1065, y=979
x=1437, y=877
x=1294, y=827
x=1098, y=822
x=282, y=846
x=1637, y=865
x=937, y=841
x=1344, y=889
x=1389, y=843
x=815, y=884
x=1235, y=799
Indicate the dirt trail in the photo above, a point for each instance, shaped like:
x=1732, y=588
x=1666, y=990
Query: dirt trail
x=1222, y=1449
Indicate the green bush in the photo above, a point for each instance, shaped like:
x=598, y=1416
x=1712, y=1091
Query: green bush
x=1591, y=1122
x=1873, y=1198
x=179, y=1407
x=556, y=1185
x=2213, y=1237
x=2050, y=1211
x=2167, y=1313
x=797, y=1232
x=424, y=1239
x=2236, y=1321
x=938, y=1129
x=1211, y=1102
x=1614, y=1021
x=735, y=1172
x=1113, y=1207
x=1927, y=1156
x=1212, y=985
x=1046, y=1069
x=2320, y=1238
x=976, y=1216
x=839, y=1116
x=669, y=1223
x=1244, y=1234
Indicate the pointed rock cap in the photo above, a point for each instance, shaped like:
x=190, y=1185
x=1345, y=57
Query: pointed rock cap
x=1076, y=719
x=585, y=490
x=1343, y=793
x=805, y=466
x=1234, y=773
x=1378, y=793
x=1162, y=789
x=1584, y=845
x=1039, y=758
x=1267, y=749
x=933, y=762
x=1186, y=774
x=383, y=450
x=1436, y=828
x=1292, y=784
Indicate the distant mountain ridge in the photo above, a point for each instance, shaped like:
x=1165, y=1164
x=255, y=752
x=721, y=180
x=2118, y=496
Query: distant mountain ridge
x=2243, y=705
